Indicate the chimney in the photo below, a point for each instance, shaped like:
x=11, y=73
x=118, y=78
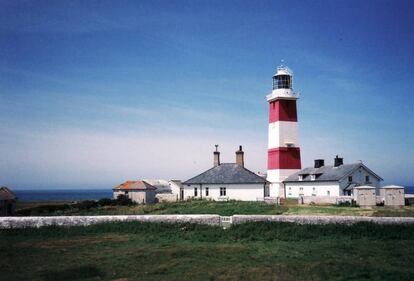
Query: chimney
x=216, y=157
x=240, y=157
x=319, y=163
x=338, y=161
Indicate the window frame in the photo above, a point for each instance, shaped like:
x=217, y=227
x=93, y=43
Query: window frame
x=223, y=191
x=195, y=192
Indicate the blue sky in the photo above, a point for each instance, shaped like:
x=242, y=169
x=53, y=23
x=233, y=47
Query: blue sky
x=93, y=93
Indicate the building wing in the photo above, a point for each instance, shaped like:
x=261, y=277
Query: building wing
x=327, y=173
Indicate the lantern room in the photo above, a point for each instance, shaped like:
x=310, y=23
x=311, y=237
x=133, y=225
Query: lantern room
x=283, y=78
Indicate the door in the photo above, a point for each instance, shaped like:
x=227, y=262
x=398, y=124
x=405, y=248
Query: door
x=266, y=191
x=181, y=193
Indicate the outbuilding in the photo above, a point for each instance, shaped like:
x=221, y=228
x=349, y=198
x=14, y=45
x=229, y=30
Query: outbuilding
x=137, y=191
x=392, y=195
x=365, y=195
x=7, y=201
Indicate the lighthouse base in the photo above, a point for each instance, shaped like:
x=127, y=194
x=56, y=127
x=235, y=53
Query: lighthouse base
x=276, y=177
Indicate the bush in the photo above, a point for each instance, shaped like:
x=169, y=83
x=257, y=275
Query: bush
x=124, y=200
x=106, y=202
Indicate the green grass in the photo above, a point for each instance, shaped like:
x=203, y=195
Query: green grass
x=252, y=251
x=289, y=207
x=182, y=207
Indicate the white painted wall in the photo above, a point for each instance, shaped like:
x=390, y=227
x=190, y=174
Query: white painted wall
x=296, y=189
x=138, y=196
x=281, y=93
x=282, y=132
x=276, y=177
x=243, y=192
x=175, y=187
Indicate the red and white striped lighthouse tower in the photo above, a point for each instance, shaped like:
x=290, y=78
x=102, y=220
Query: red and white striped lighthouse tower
x=283, y=155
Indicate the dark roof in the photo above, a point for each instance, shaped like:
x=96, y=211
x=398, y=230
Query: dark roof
x=226, y=173
x=328, y=173
x=135, y=185
x=7, y=194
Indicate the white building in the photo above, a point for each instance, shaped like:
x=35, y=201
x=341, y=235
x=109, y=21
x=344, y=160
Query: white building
x=177, y=189
x=226, y=181
x=137, y=191
x=337, y=180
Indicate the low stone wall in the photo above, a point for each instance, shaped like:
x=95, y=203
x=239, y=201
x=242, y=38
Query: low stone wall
x=320, y=200
x=21, y=222
x=166, y=197
x=237, y=219
x=215, y=220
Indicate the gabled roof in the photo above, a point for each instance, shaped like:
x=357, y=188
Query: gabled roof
x=227, y=173
x=135, y=185
x=7, y=194
x=328, y=173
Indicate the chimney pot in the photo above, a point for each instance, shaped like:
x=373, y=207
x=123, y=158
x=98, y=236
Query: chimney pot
x=319, y=163
x=240, y=157
x=216, y=154
x=338, y=161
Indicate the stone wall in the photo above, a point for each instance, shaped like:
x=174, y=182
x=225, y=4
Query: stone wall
x=215, y=220
x=321, y=219
x=317, y=200
x=167, y=197
x=21, y=222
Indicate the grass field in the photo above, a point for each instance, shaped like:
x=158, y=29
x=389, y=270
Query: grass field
x=289, y=207
x=252, y=251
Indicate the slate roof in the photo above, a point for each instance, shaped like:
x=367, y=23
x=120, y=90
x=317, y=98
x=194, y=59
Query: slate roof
x=135, y=185
x=227, y=173
x=328, y=173
x=7, y=194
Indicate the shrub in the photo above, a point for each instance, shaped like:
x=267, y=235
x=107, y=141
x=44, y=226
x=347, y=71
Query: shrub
x=124, y=200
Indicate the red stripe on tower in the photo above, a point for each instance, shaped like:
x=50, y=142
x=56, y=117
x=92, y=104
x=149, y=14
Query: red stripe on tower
x=282, y=110
x=283, y=158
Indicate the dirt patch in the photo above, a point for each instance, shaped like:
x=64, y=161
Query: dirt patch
x=74, y=242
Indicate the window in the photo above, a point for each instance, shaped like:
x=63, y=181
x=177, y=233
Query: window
x=300, y=190
x=300, y=177
x=126, y=192
x=314, y=191
x=313, y=177
x=350, y=179
x=328, y=193
x=206, y=191
x=282, y=82
x=366, y=178
x=195, y=191
x=222, y=191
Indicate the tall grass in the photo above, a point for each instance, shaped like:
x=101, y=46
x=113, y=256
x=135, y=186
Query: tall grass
x=250, y=251
x=252, y=231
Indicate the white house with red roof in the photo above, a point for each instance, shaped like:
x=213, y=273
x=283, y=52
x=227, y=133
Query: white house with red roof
x=137, y=191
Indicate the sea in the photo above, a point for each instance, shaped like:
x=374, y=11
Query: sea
x=62, y=194
x=83, y=194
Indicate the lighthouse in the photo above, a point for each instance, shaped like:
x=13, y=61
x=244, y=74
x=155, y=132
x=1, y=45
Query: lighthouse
x=283, y=155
